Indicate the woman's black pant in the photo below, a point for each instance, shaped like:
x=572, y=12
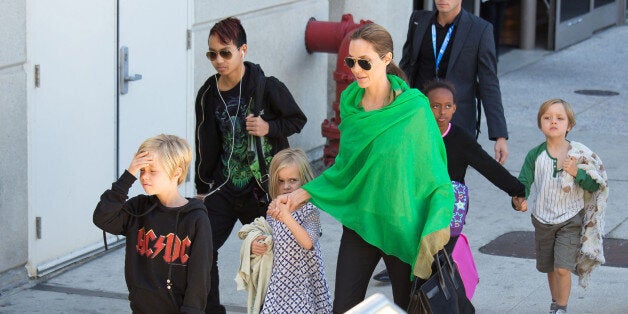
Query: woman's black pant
x=357, y=260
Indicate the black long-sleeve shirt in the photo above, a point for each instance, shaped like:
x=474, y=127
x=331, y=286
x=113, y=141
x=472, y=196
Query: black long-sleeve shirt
x=464, y=151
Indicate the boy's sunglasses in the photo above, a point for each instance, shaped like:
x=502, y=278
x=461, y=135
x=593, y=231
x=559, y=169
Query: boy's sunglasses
x=363, y=63
x=226, y=54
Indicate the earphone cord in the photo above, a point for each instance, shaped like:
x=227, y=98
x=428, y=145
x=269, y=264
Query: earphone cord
x=169, y=282
x=150, y=209
x=231, y=119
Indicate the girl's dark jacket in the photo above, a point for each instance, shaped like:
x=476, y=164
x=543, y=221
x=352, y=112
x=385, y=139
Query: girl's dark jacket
x=161, y=243
x=280, y=110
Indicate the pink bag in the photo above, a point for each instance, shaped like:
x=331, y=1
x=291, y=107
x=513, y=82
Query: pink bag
x=466, y=265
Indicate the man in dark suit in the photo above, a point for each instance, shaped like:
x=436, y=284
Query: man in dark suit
x=454, y=44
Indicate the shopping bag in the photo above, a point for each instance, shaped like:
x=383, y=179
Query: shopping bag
x=463, y=259
x=443, y=292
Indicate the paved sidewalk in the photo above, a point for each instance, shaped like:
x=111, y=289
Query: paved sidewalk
x=507, y=284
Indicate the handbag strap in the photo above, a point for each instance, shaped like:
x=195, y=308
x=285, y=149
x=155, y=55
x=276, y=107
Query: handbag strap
x=441, y=276
x=449, y=266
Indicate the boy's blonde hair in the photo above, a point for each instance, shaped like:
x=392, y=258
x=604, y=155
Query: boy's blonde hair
x=283, y=159
x=571, y=117
x=174, y=152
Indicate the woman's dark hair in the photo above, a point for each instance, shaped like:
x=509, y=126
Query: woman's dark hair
x=382, y=42
x=229, y=30
x=432, y=85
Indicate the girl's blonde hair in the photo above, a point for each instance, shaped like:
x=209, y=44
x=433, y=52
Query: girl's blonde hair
x=175, y=153
x=284, y=158
x=571, y=117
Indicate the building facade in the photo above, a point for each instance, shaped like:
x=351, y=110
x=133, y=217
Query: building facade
x=82, y=83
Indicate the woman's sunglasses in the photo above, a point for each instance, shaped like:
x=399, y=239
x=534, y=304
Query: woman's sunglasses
x=226, y=54
x=363, y=63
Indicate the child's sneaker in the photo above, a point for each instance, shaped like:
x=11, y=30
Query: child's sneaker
x=556, y=309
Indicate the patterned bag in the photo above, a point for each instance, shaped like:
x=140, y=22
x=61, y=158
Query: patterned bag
x=461, y=192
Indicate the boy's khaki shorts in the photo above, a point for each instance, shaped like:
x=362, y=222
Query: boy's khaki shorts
x=557, y=245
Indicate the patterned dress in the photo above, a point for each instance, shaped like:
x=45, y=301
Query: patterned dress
x=297, y=283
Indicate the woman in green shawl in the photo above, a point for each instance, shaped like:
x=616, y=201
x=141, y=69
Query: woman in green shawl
x=389, y=186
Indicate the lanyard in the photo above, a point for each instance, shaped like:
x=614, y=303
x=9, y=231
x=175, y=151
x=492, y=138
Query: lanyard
x=441, y=52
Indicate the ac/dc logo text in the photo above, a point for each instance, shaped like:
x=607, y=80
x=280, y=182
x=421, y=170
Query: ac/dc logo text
x=151, y=245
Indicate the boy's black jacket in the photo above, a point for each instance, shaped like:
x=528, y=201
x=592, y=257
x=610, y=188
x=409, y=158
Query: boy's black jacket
x=176, y=240
x=280, y=110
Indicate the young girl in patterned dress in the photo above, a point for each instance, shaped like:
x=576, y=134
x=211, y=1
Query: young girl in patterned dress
x=297, y=283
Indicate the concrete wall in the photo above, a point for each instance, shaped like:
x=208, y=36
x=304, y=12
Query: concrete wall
x=13, y=130
x=275, y=34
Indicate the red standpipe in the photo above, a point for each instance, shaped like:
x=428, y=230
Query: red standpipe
x=333, y=37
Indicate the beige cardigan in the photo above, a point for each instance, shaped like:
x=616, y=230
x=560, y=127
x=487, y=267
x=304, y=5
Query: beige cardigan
x=254, y=272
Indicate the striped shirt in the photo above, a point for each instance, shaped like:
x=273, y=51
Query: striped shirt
x=551, y=204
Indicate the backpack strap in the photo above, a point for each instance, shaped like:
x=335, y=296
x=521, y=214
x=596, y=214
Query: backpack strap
x=258, y=107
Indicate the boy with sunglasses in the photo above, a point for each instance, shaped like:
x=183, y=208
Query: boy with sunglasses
x=242, y=119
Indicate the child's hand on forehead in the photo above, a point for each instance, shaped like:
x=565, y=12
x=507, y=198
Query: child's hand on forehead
x=140, y=160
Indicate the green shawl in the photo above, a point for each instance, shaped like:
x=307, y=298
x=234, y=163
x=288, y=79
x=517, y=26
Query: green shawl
x=390, y=182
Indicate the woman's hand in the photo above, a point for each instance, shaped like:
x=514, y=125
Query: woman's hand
x=258, y=247
x=281, y=211
x=297, y=197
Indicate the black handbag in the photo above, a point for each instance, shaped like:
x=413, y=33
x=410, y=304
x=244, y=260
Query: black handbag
x=443, y=292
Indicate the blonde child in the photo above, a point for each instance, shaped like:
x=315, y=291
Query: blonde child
x=168, y=236
x=297, y=283
x=568, y=210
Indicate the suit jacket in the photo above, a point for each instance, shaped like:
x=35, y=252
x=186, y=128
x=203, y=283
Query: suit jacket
x=472, y=68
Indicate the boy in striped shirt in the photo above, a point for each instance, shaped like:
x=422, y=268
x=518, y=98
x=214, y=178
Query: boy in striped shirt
x=562, y=172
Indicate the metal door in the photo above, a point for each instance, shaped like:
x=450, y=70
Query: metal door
x=576, y=20
x=82, y=130
x=71, y=69
x=153, y=74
